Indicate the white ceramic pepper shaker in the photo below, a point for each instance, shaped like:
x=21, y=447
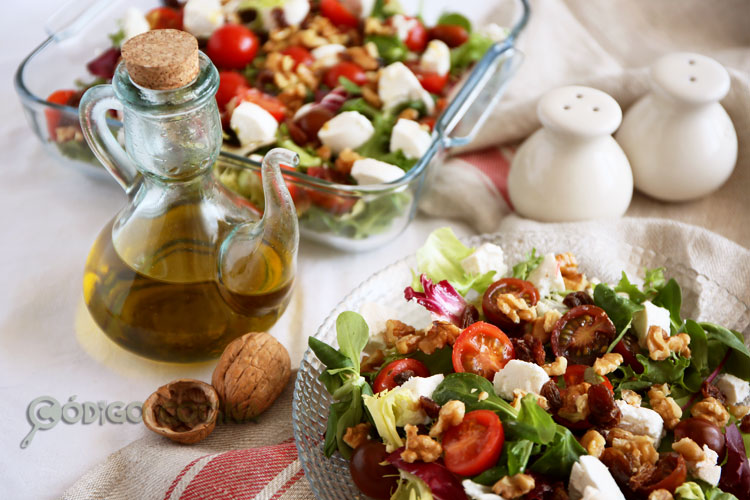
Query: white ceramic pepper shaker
x=680, y=141
x=572, y=169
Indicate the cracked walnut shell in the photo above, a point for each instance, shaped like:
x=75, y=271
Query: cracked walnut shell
x=184, y=410
x=252, y=372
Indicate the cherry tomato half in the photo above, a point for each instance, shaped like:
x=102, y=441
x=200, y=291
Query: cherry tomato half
x=231, y=84
x=475, y=444
x=520, y=288
x=161, y=18
x=300, y=55
x=482, y=349
x=349, y=70
x=670, y=472
x=54, y=116
x=232, y=46
x=574, y=375
x=582, y=334
x=268, y=102
x=388, y=378
x=330, y=202
x=452, y=35
x=368, y=472
x=628, y=347
x=338, y=13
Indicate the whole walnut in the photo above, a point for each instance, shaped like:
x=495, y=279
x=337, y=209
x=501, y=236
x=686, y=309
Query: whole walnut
x=252, y=372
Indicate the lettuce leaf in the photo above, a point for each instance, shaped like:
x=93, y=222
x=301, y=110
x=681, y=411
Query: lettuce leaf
x=469, y=52
x=410, y=487
x=440, y=259
x=442, y=300
x=524, y=268
x=392, y=409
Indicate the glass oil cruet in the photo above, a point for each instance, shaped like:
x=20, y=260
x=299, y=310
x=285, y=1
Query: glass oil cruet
x=186, y=266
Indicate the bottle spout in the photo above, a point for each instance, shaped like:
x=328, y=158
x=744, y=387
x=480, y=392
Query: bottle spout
x=279, y=223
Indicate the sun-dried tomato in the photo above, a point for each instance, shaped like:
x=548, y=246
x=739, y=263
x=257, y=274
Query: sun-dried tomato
x=668, y=473
x=604, y=412
x=529, y=348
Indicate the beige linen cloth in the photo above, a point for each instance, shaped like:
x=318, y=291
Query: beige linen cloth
x=600, y=43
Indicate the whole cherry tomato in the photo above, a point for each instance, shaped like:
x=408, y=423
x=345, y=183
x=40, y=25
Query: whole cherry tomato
x=390, y=376
x=161, y=18
x=268, y=102
x=475, y=444
x=349, y=70
x=231, y=84
x=520, y=288
x=451, y=34
x=582, y=334
x=482, y=349
x=416, y=39
x=300, y=55
x=368, y=472
x=338, y=13
x=432, y=82
x=62, y=97
x=232, y=46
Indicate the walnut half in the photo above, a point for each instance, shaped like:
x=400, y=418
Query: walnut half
x=184, y=410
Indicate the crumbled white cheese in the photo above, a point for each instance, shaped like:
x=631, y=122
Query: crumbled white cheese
x=641, y=421
x=488, y=257
x=349, y=129
x=369, y=171
x=411, y=138
x=436, y=58
x=403, y=25
x=517, y=374
x=707, y=469
x=590, y=472
x=478, y=491
x=650, y=315
x=547, y=277
x=295, y=11
x=423, y=386
x=397, y=85
x=494, y=32
x=202, y=17
x=328, y=55
x=734, y=388
x=253, y=125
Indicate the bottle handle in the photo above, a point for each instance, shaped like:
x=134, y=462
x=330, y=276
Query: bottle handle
x=92, y=112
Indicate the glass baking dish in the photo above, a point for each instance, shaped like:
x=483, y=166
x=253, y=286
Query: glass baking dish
x=348, y=217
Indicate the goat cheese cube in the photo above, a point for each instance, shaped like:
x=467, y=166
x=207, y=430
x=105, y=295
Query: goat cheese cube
x=517, y=374
x=650, y=315
x=734, y=388
x=488, y=257
x=423, y=386
x=202, y=17
x=436, y=58
x=370, y=171
x=366, y=10
x=397, y=85
x=547, y=277
x=349, y=129
x=411, y=138
x=641, y=421
x=589, y=473
x=403, y=25
x=479, y=491
x=253, y=125
x=134, y=23
x=328, y=55
x=295, y=11
x=494, y=32
x=706, y=470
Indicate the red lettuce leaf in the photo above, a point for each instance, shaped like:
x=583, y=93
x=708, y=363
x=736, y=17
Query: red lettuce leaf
x=735, y=474
x=443, y=484
x=443, y=301
x=104, y=65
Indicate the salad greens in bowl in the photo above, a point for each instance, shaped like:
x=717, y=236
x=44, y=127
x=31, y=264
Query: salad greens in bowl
x=500, y=370
x=368, y=93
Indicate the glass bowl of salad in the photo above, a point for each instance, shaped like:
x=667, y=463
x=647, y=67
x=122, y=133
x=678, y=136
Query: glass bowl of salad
x=604, y=378
x=370, y=94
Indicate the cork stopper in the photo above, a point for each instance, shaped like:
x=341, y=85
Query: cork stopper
x=162, y=59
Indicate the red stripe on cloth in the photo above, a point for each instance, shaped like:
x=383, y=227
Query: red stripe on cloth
x=299, y=475
x=495, y=164
x=179, y=476
x=240, y=474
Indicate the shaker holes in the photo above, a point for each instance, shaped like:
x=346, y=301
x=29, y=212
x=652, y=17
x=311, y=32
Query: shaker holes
x=692, y=78
x=566, y=107
x=596, y=108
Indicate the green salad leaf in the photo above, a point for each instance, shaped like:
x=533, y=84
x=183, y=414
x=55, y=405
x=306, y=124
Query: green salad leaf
x=699, y=490
x=390, y=47
x=532, y=424
x=698, y=346
x=669, y=297
x=383, y=9
x=352, y=334
x=440, y=259
x=719, y=339
x=619, y=309
x=410, y=487
x=559, y=457
x=350, y=86
x=466, y=387
x=455, y=19
x=469, y=52
x=524, y=268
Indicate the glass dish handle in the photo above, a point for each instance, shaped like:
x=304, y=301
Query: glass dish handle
x=478, y=96
x=73, y=16
x=92, y=112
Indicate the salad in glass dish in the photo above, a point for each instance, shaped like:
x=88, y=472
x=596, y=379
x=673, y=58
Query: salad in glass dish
x=532, y=380
x=354, y=87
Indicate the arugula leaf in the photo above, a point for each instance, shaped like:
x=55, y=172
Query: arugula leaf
x=361, y=106
x=619, y=309
x=455, y=19
x=524, y=268
x=459, y=386
x=469, y=52
x=533, y=423
x=496, y=473
x=739, y=360
x=670, y=298
x=653, y=280
x=440, y=259
x=390, y=47
x=669, y=371
x=384, y=9
x=117, y=37
x=559, y=457
x=635, y=293
x=352, y=333
x=518, y=455
x=307, y=158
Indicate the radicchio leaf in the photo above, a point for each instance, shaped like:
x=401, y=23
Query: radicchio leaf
x=735, y=473
x=442, y=483
x=443, y=301
x=104, y=65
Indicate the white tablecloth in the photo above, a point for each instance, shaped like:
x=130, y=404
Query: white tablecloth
x=49, y=346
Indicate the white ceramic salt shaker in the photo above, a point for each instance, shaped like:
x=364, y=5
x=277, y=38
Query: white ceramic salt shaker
x=680, y=141
x=572, y=169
